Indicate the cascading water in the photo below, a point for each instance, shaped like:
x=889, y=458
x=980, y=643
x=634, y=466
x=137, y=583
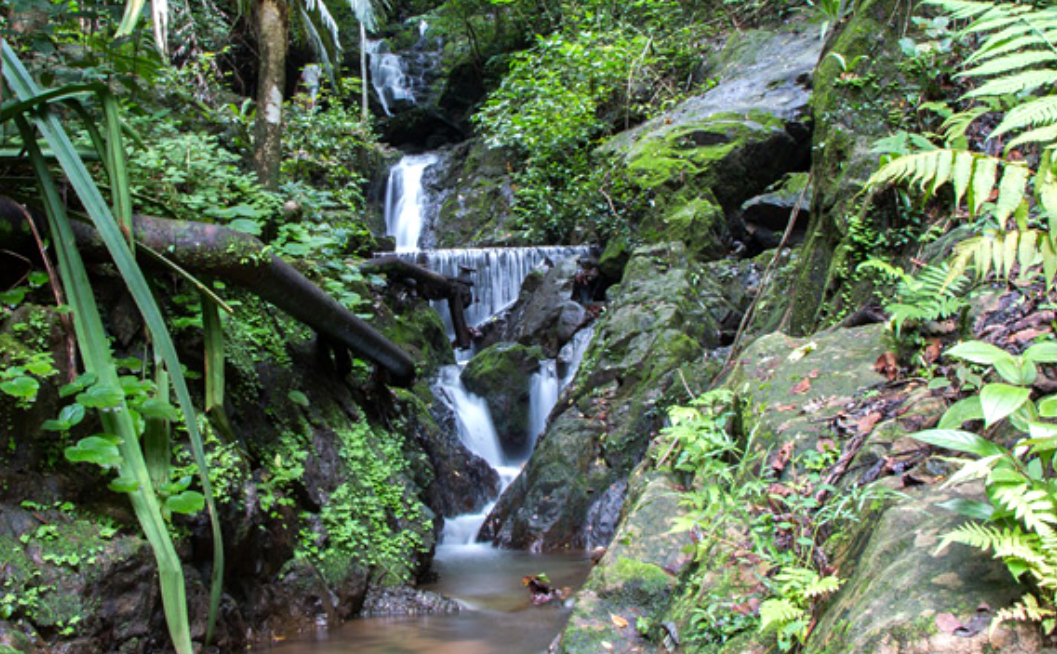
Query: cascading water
x=544, y=395
x=496, y=274
x=405, y=200
x=389, y=76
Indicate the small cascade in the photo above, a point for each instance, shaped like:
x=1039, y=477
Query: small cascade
x=496, y=273
x=544, y=395
x=405, y=200
x=389, y=76
x=572, y=355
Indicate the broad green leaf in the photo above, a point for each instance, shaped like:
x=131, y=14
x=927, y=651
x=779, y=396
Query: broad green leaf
x=158, y=408
x=999, y=400
x=297, y=397
x=1017, y=370
x=959, y=441
x=101, y=396
x=100, y=450
x=24, y=388
x=187, y=502
x=246, y=226
x=82, y=382
x=1048, y=406
x=960, y=412
x=979, y=352
x=124, y=485
x=1045, y=352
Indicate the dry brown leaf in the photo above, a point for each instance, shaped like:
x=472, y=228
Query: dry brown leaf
x=781, y=458
x=785, y=407
x=887, y=365
x=866, y=423
x=618, y=621
x=1025, y=335
x=803, y=386
x=813, y=374
x=932, y=351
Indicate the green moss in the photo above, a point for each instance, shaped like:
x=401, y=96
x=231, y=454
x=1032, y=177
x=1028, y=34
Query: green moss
x=642, y=583
x=421, y=334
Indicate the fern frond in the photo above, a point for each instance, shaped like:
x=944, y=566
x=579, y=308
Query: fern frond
x=984, y=171
x=1026, y=609
x=1011, y=190
x=1012, y=39
x=1031, y=114
x=957, y=124
x=961, y=9
x=1010, y=62
x=822, y=587
x=1024, y=82
x=776, y=612
x=1044, y=135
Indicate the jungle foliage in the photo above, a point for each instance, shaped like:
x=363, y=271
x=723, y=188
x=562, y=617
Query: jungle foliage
x=997, y=151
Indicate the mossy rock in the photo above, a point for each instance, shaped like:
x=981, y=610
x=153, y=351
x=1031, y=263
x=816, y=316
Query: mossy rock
x=502, y=375
x=900, y=584
x=778, y=375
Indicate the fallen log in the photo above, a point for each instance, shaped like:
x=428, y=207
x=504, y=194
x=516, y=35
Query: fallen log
x=432, y=286
x=212, y=250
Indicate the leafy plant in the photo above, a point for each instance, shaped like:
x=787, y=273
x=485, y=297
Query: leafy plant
x=1017, y=521
x=789, y=613
x=106, y=394
x=926, y=296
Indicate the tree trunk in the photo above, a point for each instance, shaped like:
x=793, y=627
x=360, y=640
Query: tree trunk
x=273, y=27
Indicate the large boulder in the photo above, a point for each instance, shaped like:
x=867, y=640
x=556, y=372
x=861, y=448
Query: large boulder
x=711, y=153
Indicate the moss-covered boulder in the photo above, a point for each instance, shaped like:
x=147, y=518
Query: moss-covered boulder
x=636, y=577
x=904, y=597
x=502, y=375
x=704, y=158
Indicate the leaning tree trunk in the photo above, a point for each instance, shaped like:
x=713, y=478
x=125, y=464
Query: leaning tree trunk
x=273, y=27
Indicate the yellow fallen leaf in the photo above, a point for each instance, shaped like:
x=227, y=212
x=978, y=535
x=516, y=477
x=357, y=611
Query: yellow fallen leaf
x=618, y=621
x=606, y=645
x=802, y=351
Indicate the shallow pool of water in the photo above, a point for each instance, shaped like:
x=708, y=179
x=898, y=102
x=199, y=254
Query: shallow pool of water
x=498, y=615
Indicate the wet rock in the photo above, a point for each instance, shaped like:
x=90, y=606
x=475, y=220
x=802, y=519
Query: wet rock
x=474, y=197
x=407, y=601
x=502, y=375
x=637, y=575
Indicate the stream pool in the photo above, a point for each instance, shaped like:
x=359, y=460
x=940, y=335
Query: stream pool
x=497, y=618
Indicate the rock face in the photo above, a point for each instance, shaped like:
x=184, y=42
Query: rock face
x=663, y=315
x=846, y=125
x=898, y=597
x=714, y=151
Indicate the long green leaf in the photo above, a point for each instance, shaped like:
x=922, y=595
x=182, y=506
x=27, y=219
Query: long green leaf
x=959, y=441
x=95, y=352
x=50, y=127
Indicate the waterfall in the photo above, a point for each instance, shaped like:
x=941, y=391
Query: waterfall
x=477, y=432
x=404, y=200
x=388, y=75
x=496, y=274
x=572, y=354
x=543, y=396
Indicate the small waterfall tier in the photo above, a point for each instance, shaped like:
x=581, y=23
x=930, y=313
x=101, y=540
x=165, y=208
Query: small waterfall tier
x=389, y=76
x=496, y=273
x=405, y=200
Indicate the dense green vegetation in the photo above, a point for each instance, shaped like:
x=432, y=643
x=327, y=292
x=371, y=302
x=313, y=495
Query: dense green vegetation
x=160, y=124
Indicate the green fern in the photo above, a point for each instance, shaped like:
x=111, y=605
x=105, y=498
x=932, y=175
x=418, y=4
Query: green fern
x=935, y=293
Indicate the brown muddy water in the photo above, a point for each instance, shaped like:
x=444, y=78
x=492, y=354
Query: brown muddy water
x=497, y=617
